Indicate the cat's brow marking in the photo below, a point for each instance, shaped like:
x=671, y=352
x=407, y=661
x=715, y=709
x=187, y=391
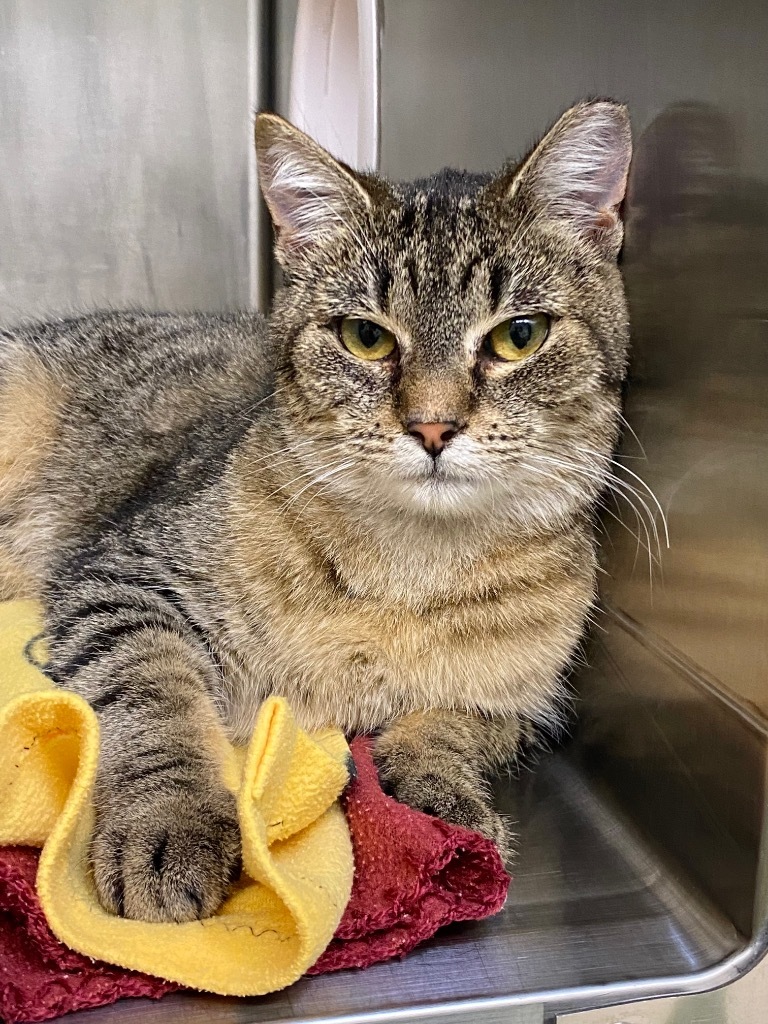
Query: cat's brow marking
x=383, y=284
x=469, y=273
x=407, y=221
x=496, y=284
x=410, y=267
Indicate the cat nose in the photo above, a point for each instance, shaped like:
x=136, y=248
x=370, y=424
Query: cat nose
x=434, y=436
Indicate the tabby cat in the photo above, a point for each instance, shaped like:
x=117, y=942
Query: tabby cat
x=378, y=503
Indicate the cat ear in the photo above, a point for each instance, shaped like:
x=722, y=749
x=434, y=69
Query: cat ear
x=310, y=195
x=578, y=172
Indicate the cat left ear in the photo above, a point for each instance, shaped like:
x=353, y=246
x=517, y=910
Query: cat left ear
x=578, y=172
x=310, y=195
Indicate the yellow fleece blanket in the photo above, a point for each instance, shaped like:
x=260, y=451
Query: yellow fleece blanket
x=297, y=854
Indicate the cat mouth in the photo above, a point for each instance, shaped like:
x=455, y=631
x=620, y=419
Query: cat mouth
x=441, y=474
x=428, y=474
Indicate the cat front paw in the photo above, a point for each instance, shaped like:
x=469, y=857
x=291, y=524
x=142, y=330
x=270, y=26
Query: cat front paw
x=171, y=857
x=447, y=792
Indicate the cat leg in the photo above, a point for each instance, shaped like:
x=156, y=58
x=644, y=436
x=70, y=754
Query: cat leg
x=437, y=762
x=166, y=843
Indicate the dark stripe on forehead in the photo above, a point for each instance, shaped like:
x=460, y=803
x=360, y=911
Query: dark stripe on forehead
x=383, y=283
x=408, y=220
x=410, y=266
x=469, y=273
x=496, y=283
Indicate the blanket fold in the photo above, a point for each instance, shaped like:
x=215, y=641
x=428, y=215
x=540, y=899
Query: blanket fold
x=414, y=874
x=297, y=855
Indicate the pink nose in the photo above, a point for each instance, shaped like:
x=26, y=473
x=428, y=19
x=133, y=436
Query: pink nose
x=434, y=436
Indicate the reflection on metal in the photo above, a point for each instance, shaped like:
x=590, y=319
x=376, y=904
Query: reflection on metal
x=697, y=269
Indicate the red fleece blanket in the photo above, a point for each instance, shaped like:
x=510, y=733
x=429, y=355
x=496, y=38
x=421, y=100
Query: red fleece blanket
x=413, y=874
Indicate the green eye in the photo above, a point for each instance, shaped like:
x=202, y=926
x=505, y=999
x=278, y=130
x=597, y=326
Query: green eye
x=519, y=337
x=365, y=339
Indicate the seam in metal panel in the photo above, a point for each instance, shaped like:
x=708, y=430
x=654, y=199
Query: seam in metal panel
x=260, y=71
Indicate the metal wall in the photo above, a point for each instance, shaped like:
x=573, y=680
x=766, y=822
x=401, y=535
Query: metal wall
x=126, y=167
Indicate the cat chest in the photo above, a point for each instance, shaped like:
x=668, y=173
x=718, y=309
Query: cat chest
x=358, y=663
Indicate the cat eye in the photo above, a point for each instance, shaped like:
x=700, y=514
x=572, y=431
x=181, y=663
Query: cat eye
x=519, y=337
x=365, y=339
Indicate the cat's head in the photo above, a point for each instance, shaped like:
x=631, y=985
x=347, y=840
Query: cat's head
x=454, y=346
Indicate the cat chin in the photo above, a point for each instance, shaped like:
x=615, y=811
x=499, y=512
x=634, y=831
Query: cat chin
x=440, y=496
x=479, y=501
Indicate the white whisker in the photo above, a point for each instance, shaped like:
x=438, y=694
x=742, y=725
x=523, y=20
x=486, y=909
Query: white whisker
x=597, y=472
x=318, y=479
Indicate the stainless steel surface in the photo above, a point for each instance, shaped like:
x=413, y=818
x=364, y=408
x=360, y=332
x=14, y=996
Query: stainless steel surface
x=643, y=865
x=126, y=167
x=472, y=84
x=697, y=272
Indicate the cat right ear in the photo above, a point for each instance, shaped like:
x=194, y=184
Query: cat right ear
x=578, y=172
x=310, y=195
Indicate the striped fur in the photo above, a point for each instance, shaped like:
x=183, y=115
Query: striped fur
x=214, y=508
